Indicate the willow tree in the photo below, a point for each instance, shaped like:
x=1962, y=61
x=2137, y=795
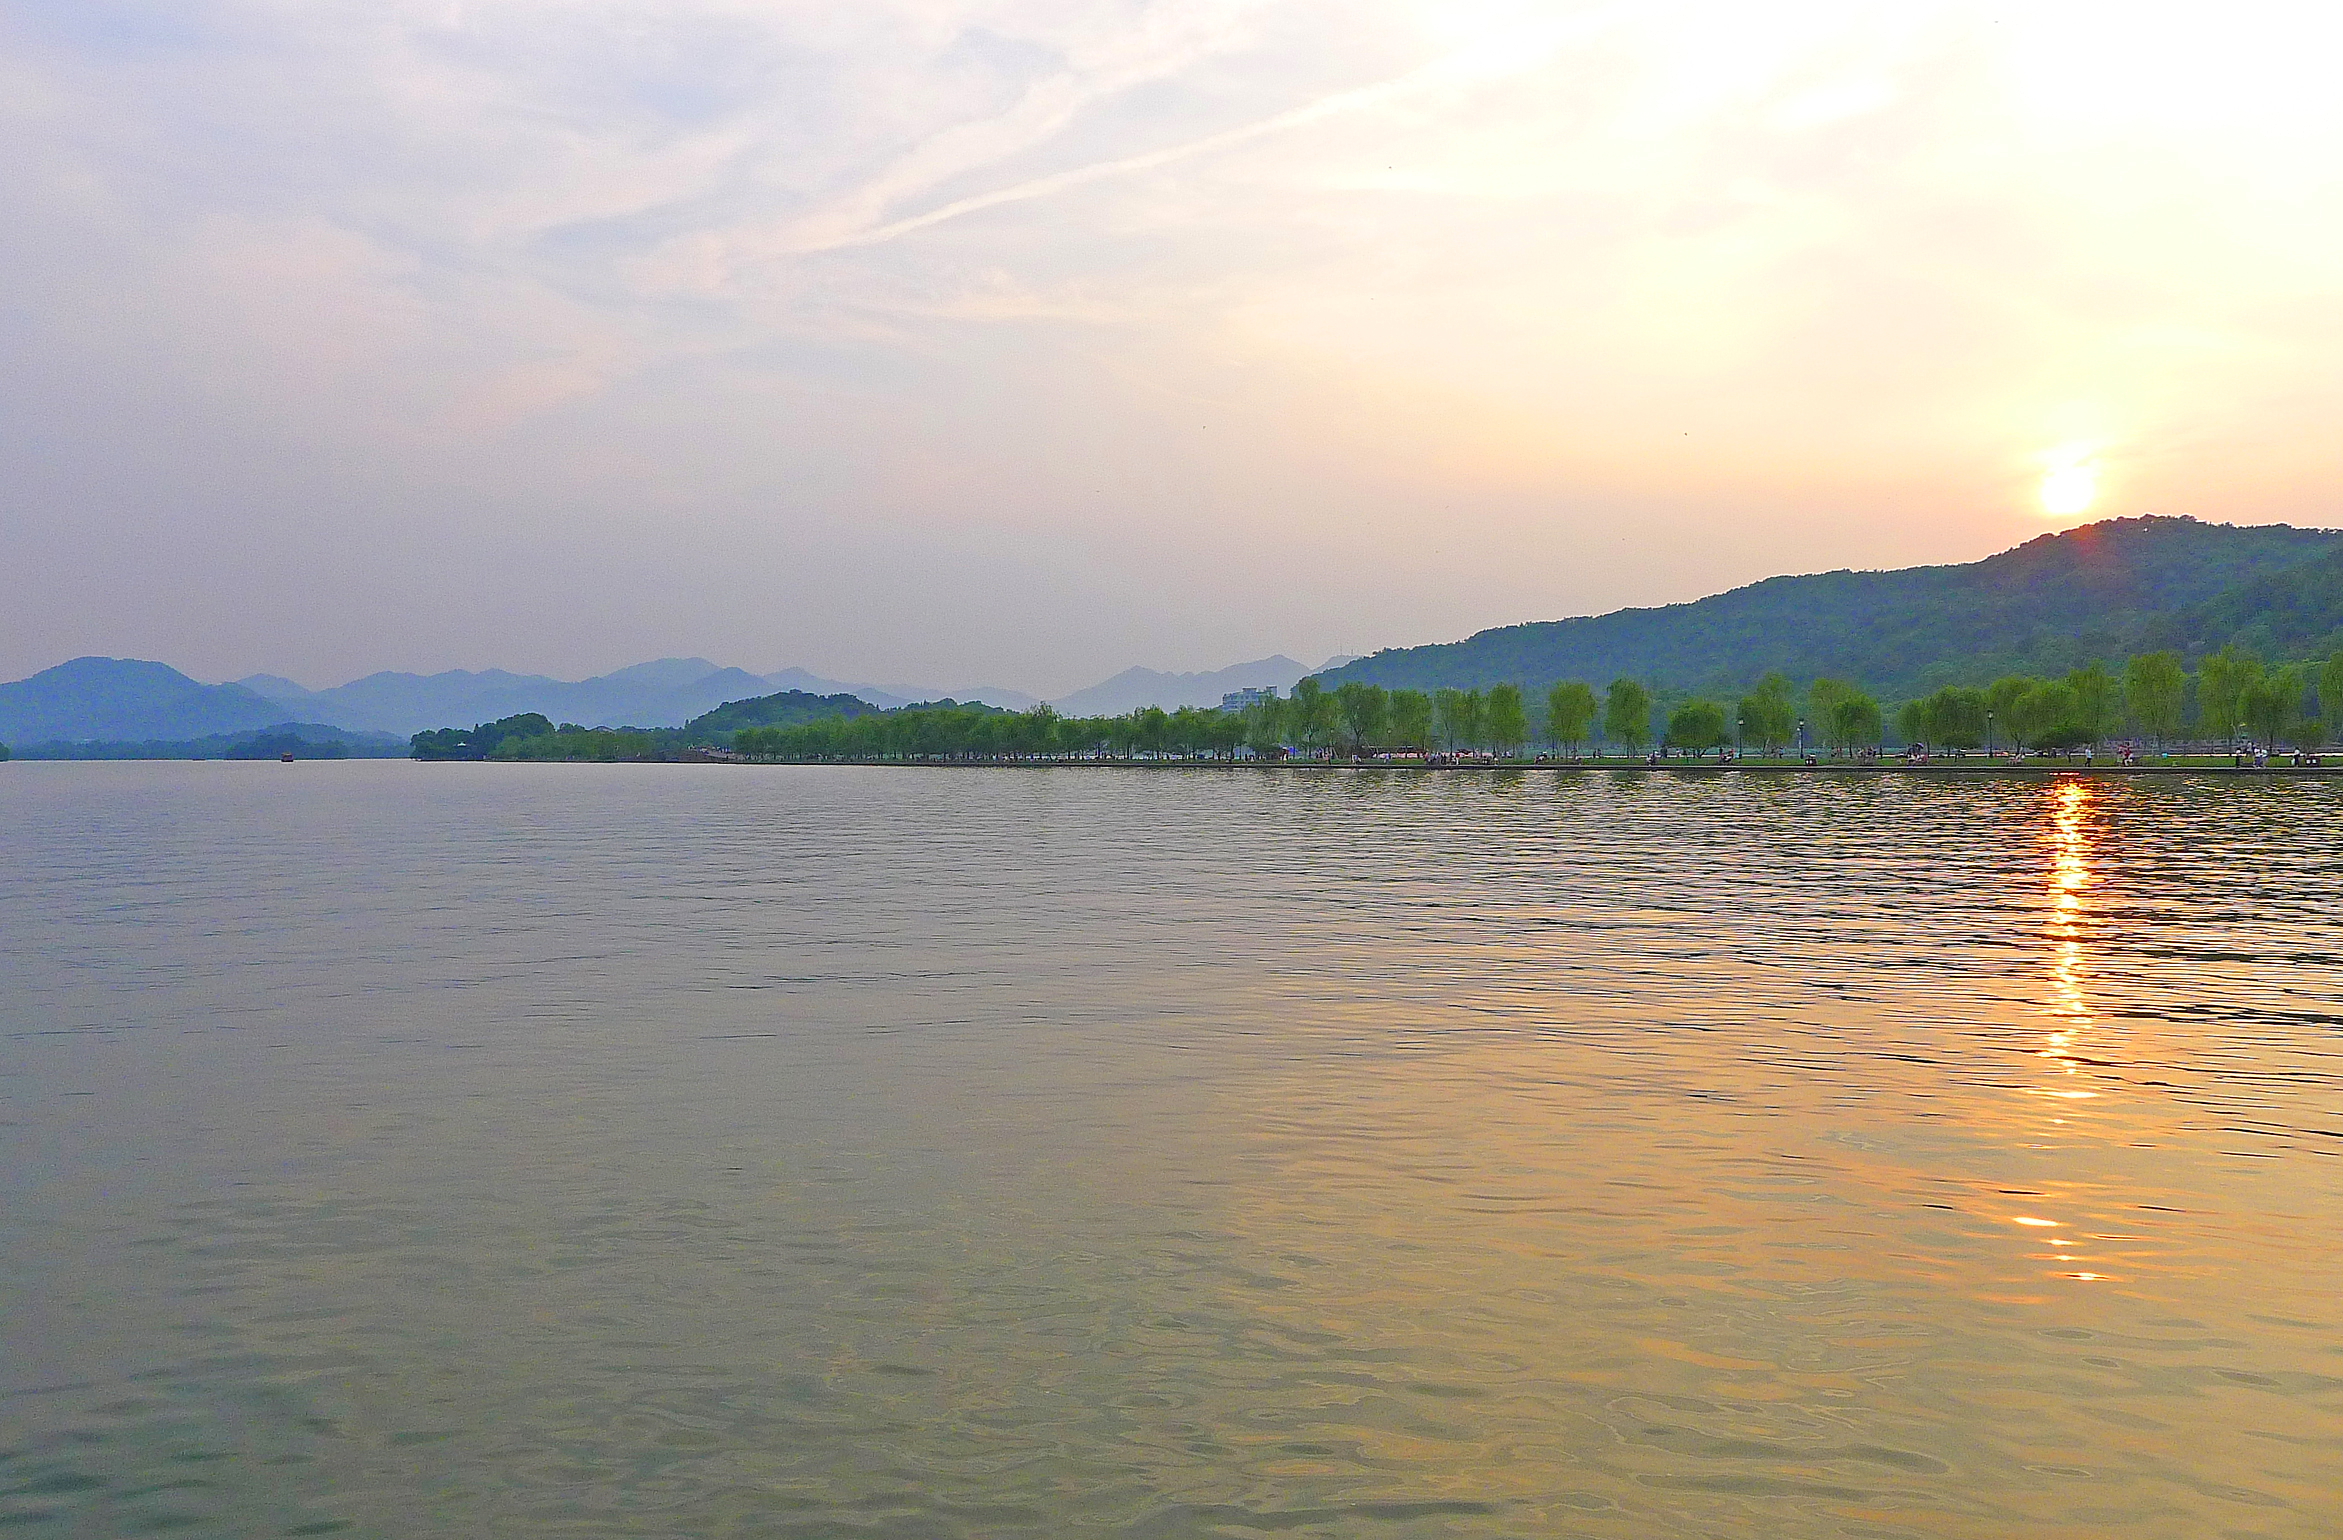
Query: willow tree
x=1309, y=715
x=2222, y=680
x=1363, y=708
x=1461, y=713
x=1852, y=720
x=2095, y=695
x=1769, y=713
x=2154, y=689
x=1264, y=721
x=1954, y=717
x=1504, y=720
x=2002, y=698
x=2042, y=715
x=1627, y=713
x=2270, y=706
x=1698, y=725
x=2331, y=697
x=1570, y=711
x=1824, y=694
x=1447, y=710
x=1410, y=713
x=1912, y=721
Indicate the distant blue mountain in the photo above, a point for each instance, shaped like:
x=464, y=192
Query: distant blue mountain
x=125, y=700
x=664, y=693
x=119, y=700
x=1137, y=687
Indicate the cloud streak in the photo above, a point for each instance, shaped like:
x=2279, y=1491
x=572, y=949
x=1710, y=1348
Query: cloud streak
x=552, y=335
x=1525, y=51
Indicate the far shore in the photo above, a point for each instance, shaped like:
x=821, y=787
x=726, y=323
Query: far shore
x=2030, y=768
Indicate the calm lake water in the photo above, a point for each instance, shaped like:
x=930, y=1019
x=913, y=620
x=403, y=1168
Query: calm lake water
x=484, y=1150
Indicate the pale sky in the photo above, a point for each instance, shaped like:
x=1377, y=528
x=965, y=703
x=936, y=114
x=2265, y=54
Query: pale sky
x=1018, y=342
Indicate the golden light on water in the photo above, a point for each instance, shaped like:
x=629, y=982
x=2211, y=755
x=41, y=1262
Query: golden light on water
x=2069, y=878
x=2070, y=874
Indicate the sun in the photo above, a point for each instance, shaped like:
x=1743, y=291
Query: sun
x=2070, y=489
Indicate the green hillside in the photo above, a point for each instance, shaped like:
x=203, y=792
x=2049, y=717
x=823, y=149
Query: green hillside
x=2297, y=613
x=2099, y=592
x=786, y=709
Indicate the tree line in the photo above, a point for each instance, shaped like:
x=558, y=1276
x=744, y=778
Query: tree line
x=2231, y=694
x=531, y=735
x=2232, y=697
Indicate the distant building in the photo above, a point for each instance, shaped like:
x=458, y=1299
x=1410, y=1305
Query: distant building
x=1238, y=700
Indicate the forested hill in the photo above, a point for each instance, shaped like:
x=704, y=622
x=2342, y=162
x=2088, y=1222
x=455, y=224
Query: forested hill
x=2099, y=592
x=785, y=709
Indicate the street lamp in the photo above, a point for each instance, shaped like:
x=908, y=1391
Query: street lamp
x=1801, y=739
x=1737, y=745
x=1988, y=734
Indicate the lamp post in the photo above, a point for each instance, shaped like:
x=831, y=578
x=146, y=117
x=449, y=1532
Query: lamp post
x=1988, y=734
x=1737, y=748
x=1801, y=740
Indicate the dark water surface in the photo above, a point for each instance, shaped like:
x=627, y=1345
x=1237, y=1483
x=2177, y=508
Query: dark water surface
x=478, y=1150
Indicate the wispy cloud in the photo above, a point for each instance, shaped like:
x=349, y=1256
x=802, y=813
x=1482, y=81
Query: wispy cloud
x=860, y=220
x=1437, y=311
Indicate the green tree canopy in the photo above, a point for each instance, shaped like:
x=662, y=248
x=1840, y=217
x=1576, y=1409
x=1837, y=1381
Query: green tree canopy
x=1363, y=708
x=2154, y=689
x=2095, y=696
x=1570, y=713
x=1264, y=723
x=2331, y=697
x=2001, y=703
x=1627, y=713
x=1769, y=713
x=1460, y=714
x=1309, y=716
x=1953, y=718
x=1822, y=696
x=2222, y=680
x=1504, y=720
x=1472, y=717
x=479, y=742
x=1853, y=719
x=1411, y=719
x=1445, y=703
x=2270, y=705
x=2042, y=715
x=1698, y=726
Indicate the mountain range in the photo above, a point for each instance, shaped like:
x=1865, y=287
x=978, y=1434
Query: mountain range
x=2100, y=592
x=665, y=693
x=1137, y=687
x=126, y=700
x=672, y=691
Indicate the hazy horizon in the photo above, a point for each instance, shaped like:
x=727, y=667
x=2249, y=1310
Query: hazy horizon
x=1019, y=344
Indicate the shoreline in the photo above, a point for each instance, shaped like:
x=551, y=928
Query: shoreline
x=1614, y=767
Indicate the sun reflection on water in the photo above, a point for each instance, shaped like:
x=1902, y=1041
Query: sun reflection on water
x=2070, y=876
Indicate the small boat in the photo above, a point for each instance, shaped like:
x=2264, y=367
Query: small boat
x=285, y=758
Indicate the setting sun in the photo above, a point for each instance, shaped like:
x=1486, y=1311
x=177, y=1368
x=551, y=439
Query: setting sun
x=2070, y=489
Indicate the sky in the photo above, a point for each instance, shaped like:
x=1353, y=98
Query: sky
x=1016, y=342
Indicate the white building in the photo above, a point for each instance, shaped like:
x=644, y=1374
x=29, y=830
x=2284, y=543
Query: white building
x=1238, y=700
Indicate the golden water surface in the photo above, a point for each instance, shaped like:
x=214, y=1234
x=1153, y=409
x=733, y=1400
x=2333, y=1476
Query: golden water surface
x=478, y=1150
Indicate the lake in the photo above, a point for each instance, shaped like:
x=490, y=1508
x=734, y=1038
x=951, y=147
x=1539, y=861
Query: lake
x=585, y=1151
